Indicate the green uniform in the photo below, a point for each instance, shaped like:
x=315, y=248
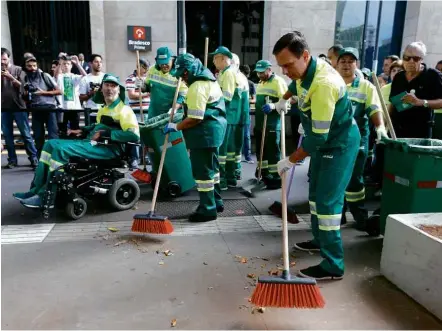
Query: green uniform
x=365, y=103
x=162, y=88
x=205, y=102
x=332, y=139
x=228, y=80
x=56, y=152
x=273, y=89
x=243, y=105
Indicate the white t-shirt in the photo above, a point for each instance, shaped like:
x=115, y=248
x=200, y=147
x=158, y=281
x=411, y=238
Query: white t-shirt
x=69, y=85
x=85, y=88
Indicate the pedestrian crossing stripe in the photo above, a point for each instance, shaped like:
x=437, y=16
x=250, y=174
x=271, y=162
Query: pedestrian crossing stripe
x=18, y=152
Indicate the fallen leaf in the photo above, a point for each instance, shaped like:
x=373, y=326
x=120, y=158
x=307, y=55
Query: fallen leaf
x=273, y=272
x=173, y=323
x=251, y=275
x=264, y=259
x=246, y=287
x=161, y=263
x=210, y=288
x=205, y=263
x=143, y=250
x=243, y=260
x=167, y=252
x=280, y=268
x=238, y=256
x=113, y=229
x=259, y=310
x=133, y=240
x=120, y=243
x=263, y=265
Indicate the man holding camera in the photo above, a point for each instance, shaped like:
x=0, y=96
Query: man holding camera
x=13, y=108
x=89, y=85
x=39, y=91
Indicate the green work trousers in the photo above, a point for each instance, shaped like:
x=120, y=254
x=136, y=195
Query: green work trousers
x=205, y=169
x=239, y=143
x=330, y=175
x=355, y=192
x=272, y=154
x=56, y=152
x=227, y=160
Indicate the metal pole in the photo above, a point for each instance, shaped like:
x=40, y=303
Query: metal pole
x=364, y=32
x=376, y=47
x=181, y=28
x=220, y=36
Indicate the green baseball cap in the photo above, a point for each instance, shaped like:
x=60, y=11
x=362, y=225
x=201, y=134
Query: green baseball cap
x=262, y=65
x=182, y=63
x=349, y=51
x=163, y=55
x=224, y=51
x=366, y=71
x=98, y=97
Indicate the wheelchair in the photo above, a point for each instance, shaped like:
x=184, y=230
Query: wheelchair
x=82, y=179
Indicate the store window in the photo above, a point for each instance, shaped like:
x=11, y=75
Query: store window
x=359, y=25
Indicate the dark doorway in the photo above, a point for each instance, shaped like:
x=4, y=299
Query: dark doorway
x=46, y=28
x=237, y=25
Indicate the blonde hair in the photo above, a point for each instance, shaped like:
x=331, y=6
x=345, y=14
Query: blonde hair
x=419, y=46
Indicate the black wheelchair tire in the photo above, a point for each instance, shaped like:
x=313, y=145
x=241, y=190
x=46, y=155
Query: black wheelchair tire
x=76, y=209
x=124, y=194
x=174, y=189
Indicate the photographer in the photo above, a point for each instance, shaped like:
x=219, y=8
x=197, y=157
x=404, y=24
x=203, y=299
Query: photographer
x=12, y=109
x=69, y=85
x=39, y=91
x=89, y=85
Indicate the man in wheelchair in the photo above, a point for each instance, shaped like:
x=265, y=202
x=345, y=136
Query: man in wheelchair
x=116, y=125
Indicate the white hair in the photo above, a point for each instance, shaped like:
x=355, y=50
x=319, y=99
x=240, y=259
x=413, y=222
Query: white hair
x=419, y=46
x=235, y=62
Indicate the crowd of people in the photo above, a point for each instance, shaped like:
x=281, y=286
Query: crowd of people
x=335, y=109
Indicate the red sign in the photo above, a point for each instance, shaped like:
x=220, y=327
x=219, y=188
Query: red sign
x=139, y=33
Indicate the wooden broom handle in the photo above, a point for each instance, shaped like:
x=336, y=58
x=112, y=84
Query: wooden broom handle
x=285, y=231
x=141, y=96
x=384, y=106
x=206, y=52
x=163, y=152
x=264, y=126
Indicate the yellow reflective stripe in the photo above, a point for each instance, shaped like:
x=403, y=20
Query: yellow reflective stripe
x=45, y=157
x=54, y=165
x=273, y=168
x=227, y=95
x=312, y=207
x=355, y=196
x=195, y=113
x=329, y=228
x=438, y=111
x=321, y=125
x=264, y=164
x=238, y=158
x=205, y=185
x=357, y=95
x=163, y=80
x=222, y=159
x=320, y=131
x=329, y=220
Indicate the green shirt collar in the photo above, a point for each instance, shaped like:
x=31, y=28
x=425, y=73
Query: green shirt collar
x=222, y=71
x=311, y=69
x=114, y=104
x=356, y=82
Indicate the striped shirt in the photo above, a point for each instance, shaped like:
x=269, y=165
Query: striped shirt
x=135, y=104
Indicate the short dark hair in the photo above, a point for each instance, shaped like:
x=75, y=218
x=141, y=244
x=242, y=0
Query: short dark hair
x=93, y=56
x=55, y=62
x=245, y=69
x=336, y=48
x=6, y=51
x=294, y=41
x=440, y=62
x=392, y=58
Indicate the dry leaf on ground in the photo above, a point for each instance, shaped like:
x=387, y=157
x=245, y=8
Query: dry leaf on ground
x=274, y=272
x=173, y=323
x=205, y=263
x=113, y=229
x=167, y=252
x=259, y=310
x=120, y=243
x=251, y=275
x=161, y=263
x=243, y=260
x=292, y=264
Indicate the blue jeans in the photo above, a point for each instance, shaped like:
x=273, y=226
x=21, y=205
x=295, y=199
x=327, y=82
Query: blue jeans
x=21, y=118
x=247, y=147
x=40, y=118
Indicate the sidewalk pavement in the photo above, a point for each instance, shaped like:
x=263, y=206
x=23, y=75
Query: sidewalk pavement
x=125, y=281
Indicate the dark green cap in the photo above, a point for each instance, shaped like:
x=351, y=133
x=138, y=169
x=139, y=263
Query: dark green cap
x=222, y=50
x=183, y=62
x=98, y=97
x=163, y=55
x=262, y=65
x=349, y=51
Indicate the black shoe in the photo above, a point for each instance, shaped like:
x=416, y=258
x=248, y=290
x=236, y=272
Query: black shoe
x=307, y=246
x=11, y=165
x=195, y=217
x=238, y=177
x=318, y=273
x=220, y=209
x=232, y=184
x=343, y=219
x=273, y=186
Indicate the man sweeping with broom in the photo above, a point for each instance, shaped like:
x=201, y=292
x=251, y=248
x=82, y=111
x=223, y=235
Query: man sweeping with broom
x=332, y=140
x=204, y=128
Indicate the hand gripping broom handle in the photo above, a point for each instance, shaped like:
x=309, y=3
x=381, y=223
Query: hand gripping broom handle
x=163, y=152
x=384, y=106
x=292, y=172
x=264, y=126
x=206, y=52
x=285, y=232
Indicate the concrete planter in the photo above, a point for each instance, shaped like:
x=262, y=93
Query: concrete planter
x=412, y=259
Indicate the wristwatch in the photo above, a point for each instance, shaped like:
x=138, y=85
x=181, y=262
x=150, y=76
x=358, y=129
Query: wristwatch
x=426, y=103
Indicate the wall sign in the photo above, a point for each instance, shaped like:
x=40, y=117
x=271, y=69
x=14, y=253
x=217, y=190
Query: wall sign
x=139, y=38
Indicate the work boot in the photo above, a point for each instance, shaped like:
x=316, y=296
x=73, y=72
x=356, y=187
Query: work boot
x=197, y=217
x=343, y=219
x=223, y=185
x=318, y=273
x=220, y=209
x=32, y=202
x=22, y=195
x=232, y=183
x=11, y=165
x=307, y=246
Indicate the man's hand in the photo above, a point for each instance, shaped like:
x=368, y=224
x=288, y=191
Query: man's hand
x=139, y=82
x=412, y=100
x=39, y=92
x=381, y=133
x=284, y=165
x=97, y=135
x=301, y=129
x=7, y=74
x=74, y=59
x=267, y=108
x=281, y=106
x=171, y=127
x=75, y=132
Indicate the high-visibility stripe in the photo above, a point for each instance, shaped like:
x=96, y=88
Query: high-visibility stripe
x=227, y=95
x=329, y=222
x=205, y=185
x=357, y=95
x=438, y=111
x=238, y=158
x=321, y=125
x=312, y=207
x=273, y=168
x=355, y=196
x=216, y=178
x=430, y=184
x=54, y=165
x=397, y=179
x=195, y=113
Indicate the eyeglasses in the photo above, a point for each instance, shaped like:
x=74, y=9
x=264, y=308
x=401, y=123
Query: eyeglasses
x=415, y=58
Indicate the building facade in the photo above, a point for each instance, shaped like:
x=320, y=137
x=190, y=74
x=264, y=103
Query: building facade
x=249, y=28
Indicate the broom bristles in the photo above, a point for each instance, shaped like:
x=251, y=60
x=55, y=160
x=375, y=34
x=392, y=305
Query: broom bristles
x=287, y=295
x=146, y=225
x=142, y=176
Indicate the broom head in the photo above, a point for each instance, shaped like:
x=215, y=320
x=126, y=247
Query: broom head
x=142, y=176
x=276, y=209
x=151, y=223
x=294, y=292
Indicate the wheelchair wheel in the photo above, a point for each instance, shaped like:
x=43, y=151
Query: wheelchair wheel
x=174, y=189
x=124, y=194
x=76, y=209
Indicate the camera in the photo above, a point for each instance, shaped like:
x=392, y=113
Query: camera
x=30, y=89
x=94, y=86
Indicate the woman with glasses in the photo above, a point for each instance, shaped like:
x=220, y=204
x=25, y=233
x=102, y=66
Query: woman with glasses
x=415, y=93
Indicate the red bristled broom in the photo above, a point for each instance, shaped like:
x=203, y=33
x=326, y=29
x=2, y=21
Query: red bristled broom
x=151, y=223
x=286, y=291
